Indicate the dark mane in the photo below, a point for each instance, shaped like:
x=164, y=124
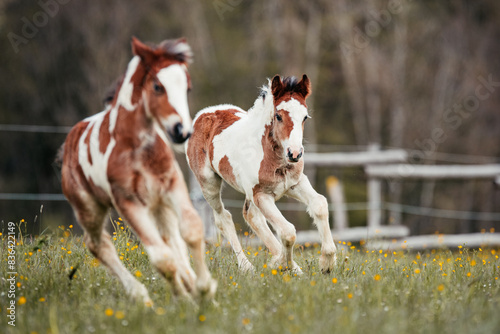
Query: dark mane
x=113, y=90
x=281, y=86
x=179, y=49
x=290, y=84
x=263, y=93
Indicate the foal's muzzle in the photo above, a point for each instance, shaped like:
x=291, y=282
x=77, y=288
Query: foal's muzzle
x=294, y=156
x=178, y=135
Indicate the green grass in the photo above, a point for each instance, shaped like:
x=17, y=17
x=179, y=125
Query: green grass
x=438, y=291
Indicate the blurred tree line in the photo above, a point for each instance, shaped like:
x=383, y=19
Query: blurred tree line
x=420, y=75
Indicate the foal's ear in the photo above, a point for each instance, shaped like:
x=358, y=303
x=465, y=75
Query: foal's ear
x=304, y=86
x=142, y=50
x=276, y=85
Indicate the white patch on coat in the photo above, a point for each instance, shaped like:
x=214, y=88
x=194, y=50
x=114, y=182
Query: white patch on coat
x=98, y=170
x=127, y=87
x=174, y=79
x=242, y=144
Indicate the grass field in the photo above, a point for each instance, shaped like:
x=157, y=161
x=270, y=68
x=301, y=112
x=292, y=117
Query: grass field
x=437, y=291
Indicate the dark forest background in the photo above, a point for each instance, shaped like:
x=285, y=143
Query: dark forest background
x=387, y=72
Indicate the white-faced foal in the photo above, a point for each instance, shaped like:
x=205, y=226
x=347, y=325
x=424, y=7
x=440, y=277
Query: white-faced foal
x=121, y=157
x=260, y=154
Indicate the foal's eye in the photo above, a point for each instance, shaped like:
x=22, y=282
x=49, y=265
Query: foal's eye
x=157, y=88
x=278, y=117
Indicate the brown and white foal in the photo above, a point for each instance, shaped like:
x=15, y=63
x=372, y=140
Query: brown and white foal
x=121, y=157
x=259, y=154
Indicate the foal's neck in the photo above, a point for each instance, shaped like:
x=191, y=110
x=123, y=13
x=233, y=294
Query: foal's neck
x=134, y=126
x=261, y=113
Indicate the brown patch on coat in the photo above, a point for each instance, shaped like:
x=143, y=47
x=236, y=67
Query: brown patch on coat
x=274, y=168
x=137, y=81
x=158, y=157
x=87, y=142
x=104, y=135
x=226, y=171
x=283, y=129
x=207, y=126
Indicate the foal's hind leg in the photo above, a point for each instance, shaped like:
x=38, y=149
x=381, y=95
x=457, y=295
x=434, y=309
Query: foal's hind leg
x=99, y=243
x=211, y=188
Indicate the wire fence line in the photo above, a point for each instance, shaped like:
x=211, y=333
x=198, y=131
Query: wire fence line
x=236, y=204
x=393, y=207
x=32, y=197
x=34, y=128
x=436, y=156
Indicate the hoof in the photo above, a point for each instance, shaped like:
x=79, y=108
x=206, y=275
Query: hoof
x=149, y=303
x=327, y=262
x=140, y=293
x=296, y=269
x=246, y=267
x=280, y=261
x=207, y=289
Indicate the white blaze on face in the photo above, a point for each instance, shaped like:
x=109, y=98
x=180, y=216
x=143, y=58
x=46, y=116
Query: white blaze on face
x=297, y=112
x=174, y=79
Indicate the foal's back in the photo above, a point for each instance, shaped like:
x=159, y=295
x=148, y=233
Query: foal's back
x=218, y=134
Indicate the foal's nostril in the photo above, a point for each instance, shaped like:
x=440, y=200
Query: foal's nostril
x=177, y=134
x=291, y=156
x=178, y=130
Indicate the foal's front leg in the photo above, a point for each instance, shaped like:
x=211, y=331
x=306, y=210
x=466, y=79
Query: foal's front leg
x=161, y=255
x=167, y=220
x=317, y=207
x=285, y=230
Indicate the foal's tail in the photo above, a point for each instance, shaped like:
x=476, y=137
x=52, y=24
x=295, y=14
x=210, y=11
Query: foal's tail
x=58, y=161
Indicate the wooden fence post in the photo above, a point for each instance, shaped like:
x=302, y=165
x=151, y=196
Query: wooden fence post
x=336, y=194
x=374, y=196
